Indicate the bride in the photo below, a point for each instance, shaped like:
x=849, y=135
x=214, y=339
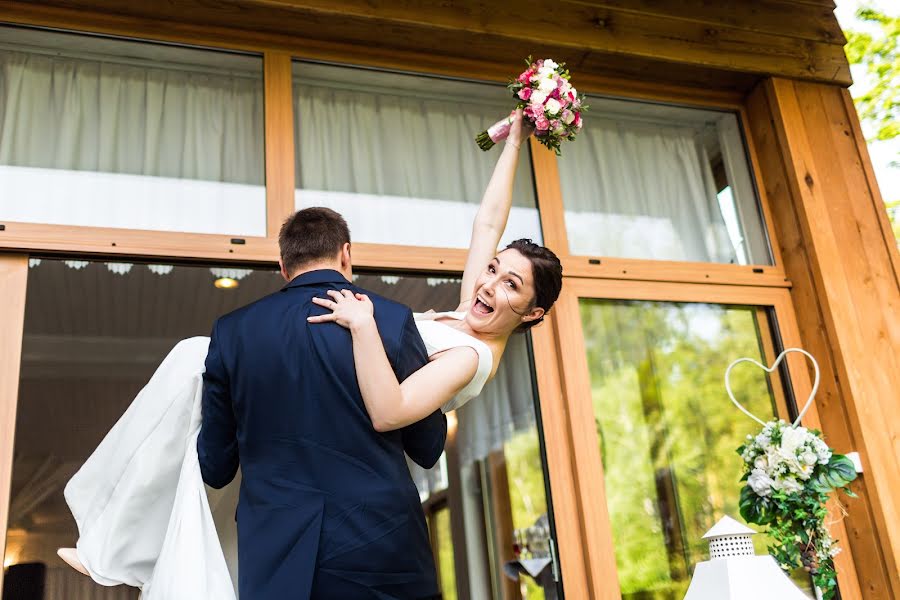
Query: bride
x=143, y=515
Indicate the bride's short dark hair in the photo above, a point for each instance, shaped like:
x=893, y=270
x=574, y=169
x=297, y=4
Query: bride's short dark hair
x=311, y=235
x=546, y=271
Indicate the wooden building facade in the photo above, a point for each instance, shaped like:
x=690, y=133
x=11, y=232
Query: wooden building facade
x=793, y=244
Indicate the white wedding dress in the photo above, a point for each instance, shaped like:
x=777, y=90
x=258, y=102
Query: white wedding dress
x=144, y=516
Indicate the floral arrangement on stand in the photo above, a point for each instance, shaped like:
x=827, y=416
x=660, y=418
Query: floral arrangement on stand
x=548, y=101
x=789, y=473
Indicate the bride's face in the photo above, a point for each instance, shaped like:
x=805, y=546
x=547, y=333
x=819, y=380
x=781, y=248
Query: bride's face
x=504, y=293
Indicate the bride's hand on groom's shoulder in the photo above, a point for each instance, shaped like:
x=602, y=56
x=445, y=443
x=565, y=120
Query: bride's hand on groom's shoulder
x=349, y=310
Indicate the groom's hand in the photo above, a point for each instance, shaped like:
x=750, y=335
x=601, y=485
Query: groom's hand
x=353, y=311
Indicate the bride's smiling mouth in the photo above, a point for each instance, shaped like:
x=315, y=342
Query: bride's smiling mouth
x=480, y=307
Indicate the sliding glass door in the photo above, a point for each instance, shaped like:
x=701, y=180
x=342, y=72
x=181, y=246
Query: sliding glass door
x=665, y=431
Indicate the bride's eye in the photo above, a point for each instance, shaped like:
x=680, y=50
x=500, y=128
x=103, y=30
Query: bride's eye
x=512, y=284
x=491, y=269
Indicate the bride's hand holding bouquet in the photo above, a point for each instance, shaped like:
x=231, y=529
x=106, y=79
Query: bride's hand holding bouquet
x=548, y=102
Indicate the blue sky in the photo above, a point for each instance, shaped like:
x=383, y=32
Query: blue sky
x=882, y=153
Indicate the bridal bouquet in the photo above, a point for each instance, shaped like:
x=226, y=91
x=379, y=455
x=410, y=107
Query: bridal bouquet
x=549, y=102
x=789, y=473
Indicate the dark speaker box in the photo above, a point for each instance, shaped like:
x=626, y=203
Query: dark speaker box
x=25, y=582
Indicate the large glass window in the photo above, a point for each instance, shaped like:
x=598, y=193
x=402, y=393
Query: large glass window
x=668, y=433
x=396, y=154
x=114, y=133
x=661, y=182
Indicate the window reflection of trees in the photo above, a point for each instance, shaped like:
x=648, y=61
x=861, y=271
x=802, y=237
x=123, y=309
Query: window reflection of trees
x=667, y=431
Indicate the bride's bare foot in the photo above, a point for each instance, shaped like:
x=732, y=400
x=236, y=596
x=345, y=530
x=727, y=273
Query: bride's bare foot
x=71, y=557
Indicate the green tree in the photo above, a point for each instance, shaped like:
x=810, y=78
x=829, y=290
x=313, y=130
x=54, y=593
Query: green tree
x=879, y=105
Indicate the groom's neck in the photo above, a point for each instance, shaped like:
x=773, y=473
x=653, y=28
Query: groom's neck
x=322, y=265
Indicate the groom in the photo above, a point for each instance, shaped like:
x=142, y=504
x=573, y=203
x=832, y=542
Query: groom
x=327, y=507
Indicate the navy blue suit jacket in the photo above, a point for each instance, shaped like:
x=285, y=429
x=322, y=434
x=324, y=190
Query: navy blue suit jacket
x=327, y=507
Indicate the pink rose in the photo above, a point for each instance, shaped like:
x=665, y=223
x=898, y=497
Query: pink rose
x=525, y=94
x=525, y=76
x=537, y=110
x=542, y=123
x=578, y=119
x=555, y=94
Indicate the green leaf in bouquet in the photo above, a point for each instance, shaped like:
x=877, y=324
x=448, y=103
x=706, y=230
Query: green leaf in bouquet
x=841, y=469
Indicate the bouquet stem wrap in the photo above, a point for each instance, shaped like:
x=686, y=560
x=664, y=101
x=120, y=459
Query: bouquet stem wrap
x=495, y=133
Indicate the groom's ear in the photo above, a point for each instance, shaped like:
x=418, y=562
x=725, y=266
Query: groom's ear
x=284, y=272
x=346, y=260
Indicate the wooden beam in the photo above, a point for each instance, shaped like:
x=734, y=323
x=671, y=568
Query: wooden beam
x=789, y=19
x=13, y=282
x=599, y=548
x=847, y=296
x=561, y=460
x=279, y=101
x=498, y=32
x=503, y=521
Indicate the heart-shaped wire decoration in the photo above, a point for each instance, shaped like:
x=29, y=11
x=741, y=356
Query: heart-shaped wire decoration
x=778, y=360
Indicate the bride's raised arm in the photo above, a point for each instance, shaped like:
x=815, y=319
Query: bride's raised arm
x=490, y=221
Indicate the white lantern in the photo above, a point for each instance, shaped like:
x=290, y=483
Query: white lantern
x=735, y=572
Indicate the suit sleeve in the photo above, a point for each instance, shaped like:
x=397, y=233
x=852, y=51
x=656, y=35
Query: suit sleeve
x=424, y=441
x=217, y=446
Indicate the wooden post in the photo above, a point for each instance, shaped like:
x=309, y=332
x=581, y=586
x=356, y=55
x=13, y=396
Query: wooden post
x=279, y=102
x=503, y=521
x=842, y=261
x=13, y=281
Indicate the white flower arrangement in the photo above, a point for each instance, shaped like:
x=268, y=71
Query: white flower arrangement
x=785, y=465
x=789, y=473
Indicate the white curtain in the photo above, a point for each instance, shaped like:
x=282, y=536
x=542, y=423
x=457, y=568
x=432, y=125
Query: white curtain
x=91, y=141
x=505, y=407
x=396, y=154
x=64, y=583
x=642, y=190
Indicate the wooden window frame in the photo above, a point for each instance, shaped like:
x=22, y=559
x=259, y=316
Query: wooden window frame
x=596, y=530
x=13, y=282
x=278, y=53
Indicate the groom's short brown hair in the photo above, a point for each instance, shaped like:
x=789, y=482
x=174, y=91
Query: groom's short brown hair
x=310, y=235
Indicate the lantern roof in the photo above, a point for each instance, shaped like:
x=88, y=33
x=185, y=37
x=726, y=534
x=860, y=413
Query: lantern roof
x=728, y=526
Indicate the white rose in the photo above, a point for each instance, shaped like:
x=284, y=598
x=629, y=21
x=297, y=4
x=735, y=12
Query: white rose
x=568, y=116
x=550, y=63
x=565, y=88
x=809, y=458
x=788, y=486
x=547, y=85
x=552, y=106
x=805, y=472
x=761, y=463
x=792, y=438
x=538, y=97
x=760, y=483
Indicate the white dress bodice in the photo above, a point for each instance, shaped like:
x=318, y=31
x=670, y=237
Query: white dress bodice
x=439, y=336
